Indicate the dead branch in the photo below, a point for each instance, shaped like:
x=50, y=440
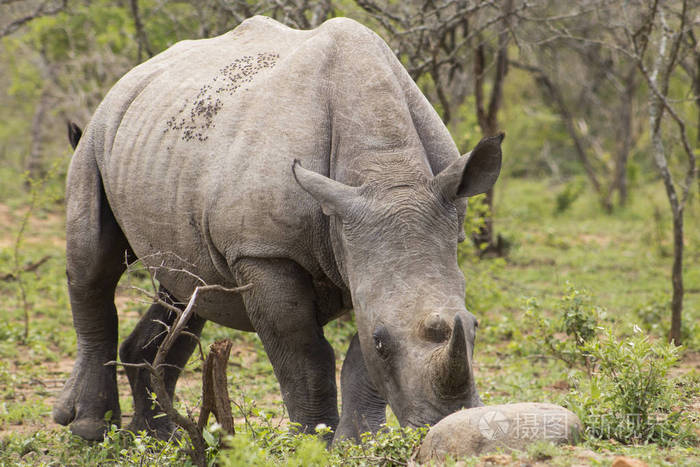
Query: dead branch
x=45, y=8
x=214, y=391
x=215, y=399
x=553, y=92
x=29, y=267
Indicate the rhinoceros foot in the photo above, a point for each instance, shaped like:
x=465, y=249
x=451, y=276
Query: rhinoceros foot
x=89, y=401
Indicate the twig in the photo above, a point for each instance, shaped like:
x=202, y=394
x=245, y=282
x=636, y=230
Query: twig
x=215, y=396
x=42, y=10
x=29, y=267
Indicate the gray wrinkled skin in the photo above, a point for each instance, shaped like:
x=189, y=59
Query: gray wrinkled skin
x=308, y=164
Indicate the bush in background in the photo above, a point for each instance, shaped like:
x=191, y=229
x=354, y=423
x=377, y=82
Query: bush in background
x=630, y=397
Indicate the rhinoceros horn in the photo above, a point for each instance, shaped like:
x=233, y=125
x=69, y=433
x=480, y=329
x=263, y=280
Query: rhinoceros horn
x=453, y=365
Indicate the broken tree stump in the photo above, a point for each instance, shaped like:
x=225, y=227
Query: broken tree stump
x=215, y=399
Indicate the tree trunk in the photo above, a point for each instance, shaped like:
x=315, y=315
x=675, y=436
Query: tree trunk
x=677, y=213
x=619, y=184
x=487, y=116
x=551, y=92
x=659, y=80
x=696, y=89
x=677, y=279
x=35, y=164
x=141, y=37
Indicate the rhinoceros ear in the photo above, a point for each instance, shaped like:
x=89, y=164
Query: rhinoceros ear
x=473, y=173
x=336, y=198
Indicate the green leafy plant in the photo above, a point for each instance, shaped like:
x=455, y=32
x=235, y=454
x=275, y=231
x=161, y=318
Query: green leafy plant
x=38, y=195
x=122, y=447
x=265, y=444
x=568, y=195
x=630, y=396
x=653, y=317
x=388, y=447
x=542, y=451
x=244, y=450
x=565, y=335
x=580, y=317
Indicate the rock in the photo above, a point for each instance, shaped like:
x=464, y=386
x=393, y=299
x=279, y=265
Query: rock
x=622, y=461
x=479, y=430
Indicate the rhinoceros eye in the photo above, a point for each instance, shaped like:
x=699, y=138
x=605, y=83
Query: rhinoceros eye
x=382, y=342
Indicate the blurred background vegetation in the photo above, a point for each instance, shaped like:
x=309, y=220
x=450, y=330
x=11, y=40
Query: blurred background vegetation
x=601, y=95
x=595, y=210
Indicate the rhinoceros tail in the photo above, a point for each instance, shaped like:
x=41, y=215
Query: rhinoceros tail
x=74, y=134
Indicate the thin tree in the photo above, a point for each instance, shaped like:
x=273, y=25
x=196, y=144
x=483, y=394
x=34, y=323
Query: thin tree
x=454, y=49
x=657, y=37
x=656, y=54
x=589, y=85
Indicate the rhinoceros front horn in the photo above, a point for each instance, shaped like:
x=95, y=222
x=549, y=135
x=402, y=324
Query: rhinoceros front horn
x=453, y=366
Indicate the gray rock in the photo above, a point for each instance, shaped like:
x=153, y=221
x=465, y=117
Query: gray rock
x=479, y=430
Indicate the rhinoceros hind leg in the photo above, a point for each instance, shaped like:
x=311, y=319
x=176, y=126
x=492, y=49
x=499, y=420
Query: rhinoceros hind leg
x=95, y=255
x=282, y=307
x=364, y=409
x=141, y=346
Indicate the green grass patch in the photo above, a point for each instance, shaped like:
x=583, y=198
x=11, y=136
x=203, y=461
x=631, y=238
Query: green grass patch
x=571, y=270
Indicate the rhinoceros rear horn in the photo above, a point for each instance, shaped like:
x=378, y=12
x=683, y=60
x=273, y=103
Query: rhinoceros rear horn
x=473, y=173
x=452, y=372
x=336, y=198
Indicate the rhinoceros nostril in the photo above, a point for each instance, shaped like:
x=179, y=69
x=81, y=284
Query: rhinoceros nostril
x=434, y=328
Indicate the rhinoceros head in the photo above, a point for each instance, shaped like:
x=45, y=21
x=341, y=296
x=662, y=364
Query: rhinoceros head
x=396, y=240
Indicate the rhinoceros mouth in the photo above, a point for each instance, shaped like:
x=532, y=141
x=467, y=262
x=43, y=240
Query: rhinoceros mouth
x=416, y=424
x=419, y=422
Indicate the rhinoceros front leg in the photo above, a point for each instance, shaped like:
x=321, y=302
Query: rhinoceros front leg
x=94, y=262
x=282, y=307
x=363, y=408
x=141, y=346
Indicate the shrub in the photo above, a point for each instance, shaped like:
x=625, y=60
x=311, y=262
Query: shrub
x=580, y=317
x=388, y=447
x=653, y=317
x=630, y=397
x=564, y=336
x=122, y=447
x=243, y=451
x=625, y=392
x=568, y=195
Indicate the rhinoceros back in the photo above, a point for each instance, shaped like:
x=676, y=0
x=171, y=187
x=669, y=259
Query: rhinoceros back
x=195, y=146
x=180, y=134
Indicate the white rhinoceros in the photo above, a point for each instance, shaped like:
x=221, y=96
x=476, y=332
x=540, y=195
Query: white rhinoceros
x=305, y=163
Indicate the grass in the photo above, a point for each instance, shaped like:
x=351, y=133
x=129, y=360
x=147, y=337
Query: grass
x=621, y=260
